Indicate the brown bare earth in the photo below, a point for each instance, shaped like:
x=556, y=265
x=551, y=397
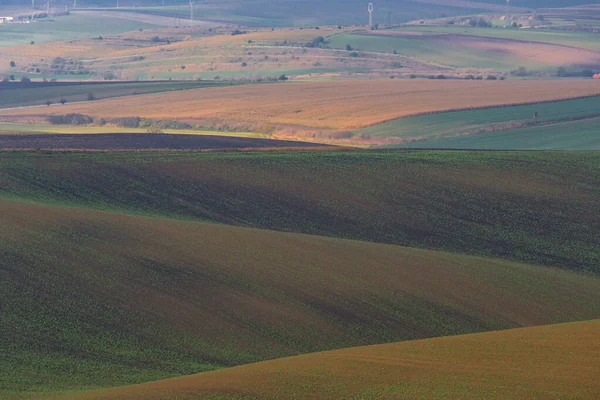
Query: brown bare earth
x=547, y=362
x=341, y=105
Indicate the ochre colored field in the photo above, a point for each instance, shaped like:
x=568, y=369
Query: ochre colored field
x=547, y=362
x=337, y=105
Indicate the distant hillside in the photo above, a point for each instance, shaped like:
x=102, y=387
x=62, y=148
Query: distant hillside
x=93, y=299
x=541, y=208
x=558, y=361
x=283, y=12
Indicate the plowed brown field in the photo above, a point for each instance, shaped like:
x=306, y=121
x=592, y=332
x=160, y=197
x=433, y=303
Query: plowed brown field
x=334, y=105
x=556, y=361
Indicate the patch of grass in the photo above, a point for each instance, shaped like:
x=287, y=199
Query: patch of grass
x=463, y=122
x=38, y=93
x=441, y=53
x=9, y=128
x=93, y=299
x=65, y=28
x=514, y=205
x=577, y=39
x=574, y=135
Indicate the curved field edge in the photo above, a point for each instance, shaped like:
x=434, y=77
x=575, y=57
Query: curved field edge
x=94, y=299
x=535, y=207
x=553, y=361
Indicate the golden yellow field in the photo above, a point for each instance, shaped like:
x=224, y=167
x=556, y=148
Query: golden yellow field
x=338, y=105
x=547, y=362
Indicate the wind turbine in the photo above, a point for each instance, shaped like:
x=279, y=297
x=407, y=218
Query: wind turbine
x=191, y=10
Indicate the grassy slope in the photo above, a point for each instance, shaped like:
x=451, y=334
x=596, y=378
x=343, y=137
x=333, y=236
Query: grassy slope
x=65, y=28
x=461, y=122
x=556, y=361
x=576, y=39
x=541, y=208
x=95, y=299
x=441, y=53
x=576, y=135
x=10, y=128
x=27, y=96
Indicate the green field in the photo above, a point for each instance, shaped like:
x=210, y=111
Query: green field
x=512, y=205
x=93, y=299
x=65, y=28
x=439, y=53
x=10, y=128
x=448, y=124
x=279, y=13
x=19, y=96
x=585, y=40
x=574, y=135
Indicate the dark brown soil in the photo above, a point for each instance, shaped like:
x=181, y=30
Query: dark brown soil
x=125, y=141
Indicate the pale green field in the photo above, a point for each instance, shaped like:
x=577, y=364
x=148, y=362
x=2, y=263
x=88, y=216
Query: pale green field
x=7, y=128
x=575, y=135
x=462, y=122
x=430, y=51
x=575, y=39
x=66, y=28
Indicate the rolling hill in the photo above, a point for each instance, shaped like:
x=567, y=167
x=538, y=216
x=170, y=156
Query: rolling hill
x=556, y=361
x=92, y=299
x=540, y=208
